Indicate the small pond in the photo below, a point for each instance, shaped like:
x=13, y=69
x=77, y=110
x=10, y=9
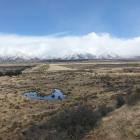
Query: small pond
x=57, y=94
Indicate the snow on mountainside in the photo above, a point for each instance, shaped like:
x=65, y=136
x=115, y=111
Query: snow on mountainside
x=72, y=56
x=79, y=56
x=82, y=56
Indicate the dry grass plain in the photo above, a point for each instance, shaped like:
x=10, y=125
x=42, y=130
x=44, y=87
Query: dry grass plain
x=91, y=110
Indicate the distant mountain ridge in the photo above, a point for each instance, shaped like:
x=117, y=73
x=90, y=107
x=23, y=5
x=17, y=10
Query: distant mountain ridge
x=74, y=56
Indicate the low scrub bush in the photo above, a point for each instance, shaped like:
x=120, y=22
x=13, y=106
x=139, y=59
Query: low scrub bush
x=11, y=73
x=70, y=124
x=104, y=110
x=134, y=97
x=76, y=120
x=120, y=101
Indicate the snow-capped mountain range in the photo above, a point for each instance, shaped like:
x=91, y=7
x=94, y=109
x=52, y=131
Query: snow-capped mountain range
x=86, y=56
x=72, y=56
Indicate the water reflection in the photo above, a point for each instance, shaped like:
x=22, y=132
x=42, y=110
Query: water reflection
x=57, y=94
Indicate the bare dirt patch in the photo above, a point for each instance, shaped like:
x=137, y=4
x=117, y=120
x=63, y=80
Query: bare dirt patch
x=58, y=67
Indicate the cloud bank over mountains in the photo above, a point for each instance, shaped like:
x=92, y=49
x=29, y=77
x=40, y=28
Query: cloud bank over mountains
x=54, y=46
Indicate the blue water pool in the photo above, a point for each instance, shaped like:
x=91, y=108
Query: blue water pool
x=57, y=94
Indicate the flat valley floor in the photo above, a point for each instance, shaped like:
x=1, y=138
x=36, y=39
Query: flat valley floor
x=97, y=106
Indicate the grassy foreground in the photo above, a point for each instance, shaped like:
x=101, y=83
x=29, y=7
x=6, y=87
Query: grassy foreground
x=102, y=102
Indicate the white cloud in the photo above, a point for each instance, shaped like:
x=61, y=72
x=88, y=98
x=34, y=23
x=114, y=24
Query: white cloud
x=58, y=46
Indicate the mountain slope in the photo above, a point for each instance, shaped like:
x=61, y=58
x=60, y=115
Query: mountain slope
x=70, y=56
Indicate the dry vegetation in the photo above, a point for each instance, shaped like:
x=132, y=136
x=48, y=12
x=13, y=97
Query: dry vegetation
x=13, y=70
x=102, y=102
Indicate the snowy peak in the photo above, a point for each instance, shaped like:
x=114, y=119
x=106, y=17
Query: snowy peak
x=79, y=56
x=89, y=56
x=72, y=56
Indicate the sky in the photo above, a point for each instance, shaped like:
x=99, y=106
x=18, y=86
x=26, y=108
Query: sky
x=43, y=26
x=43, y=17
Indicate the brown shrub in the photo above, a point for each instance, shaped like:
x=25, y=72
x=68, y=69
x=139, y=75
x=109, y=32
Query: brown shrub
x=120, y=101
x=71, y=124
x=134, y=97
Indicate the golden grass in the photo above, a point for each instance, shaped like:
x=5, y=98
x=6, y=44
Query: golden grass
x=84, y=84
